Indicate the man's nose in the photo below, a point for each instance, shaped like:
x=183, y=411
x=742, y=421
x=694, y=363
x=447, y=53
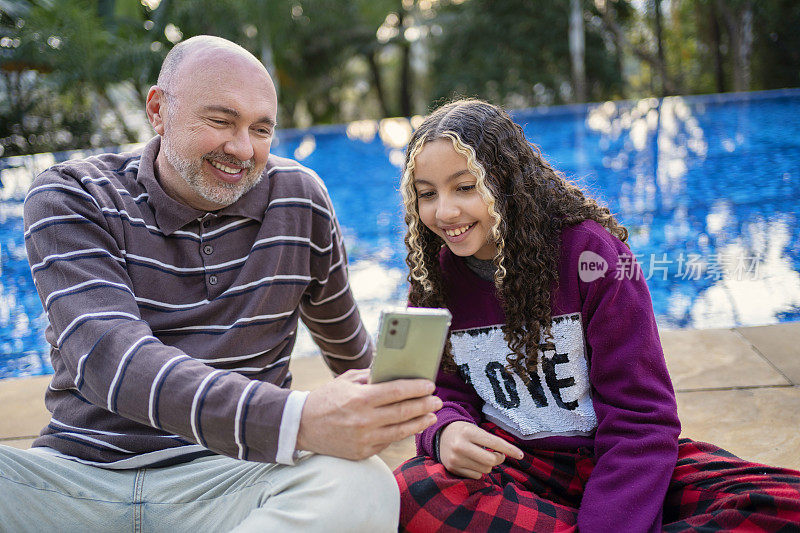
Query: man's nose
x=240, y=145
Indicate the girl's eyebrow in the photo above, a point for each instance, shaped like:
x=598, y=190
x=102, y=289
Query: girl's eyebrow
x=451, y=177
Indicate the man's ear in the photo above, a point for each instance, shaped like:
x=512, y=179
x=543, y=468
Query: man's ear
x=155, y=106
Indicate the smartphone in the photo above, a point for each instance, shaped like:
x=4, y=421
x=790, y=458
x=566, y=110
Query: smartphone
x=410, y=343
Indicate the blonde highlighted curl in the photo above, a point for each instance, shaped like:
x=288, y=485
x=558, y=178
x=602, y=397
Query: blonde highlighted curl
x=418, y=270
x=415, y=259
x=529, y=203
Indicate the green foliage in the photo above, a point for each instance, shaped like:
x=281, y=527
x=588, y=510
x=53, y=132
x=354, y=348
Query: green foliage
x=517, y=52
x=776, y=50
x=39, y=118
x=56, y=74
x=73, y=71
x=700, y=45
x=309, y=43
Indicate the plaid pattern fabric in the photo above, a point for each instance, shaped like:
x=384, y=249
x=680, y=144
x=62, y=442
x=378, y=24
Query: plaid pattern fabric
x=711, y=490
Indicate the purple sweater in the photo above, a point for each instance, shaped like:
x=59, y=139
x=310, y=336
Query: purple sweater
x=604, y=387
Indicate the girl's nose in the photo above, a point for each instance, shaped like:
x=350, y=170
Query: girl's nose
x=447, y=211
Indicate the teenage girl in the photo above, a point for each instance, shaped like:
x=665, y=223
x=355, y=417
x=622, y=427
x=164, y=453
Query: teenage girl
x=558, y=409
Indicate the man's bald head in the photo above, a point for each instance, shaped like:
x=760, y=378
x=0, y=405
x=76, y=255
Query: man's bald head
x=215, y=109
x=195, y=47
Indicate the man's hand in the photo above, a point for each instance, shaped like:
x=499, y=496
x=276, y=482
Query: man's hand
x=469, y=451
x=352, y=419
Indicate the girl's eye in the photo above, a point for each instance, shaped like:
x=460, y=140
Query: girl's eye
x=425, y=194
x=466, y=187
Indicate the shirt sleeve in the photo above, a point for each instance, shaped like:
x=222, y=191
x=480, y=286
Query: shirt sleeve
x=636, y=441
x=459, y=402
x=329, y=309
x=115, y=361
x=290, y=427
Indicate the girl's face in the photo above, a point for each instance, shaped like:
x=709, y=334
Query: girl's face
x=449, y=204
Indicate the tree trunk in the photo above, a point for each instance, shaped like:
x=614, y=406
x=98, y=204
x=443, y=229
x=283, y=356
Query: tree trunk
x=619, y=65
x=405, y=68
x=745, y=46
x=716, y=44
x=577, y=51
x=267, y=57
x=662, y=64
x=130, y=135
x=611, y=24
x=16, y=106
x=740, y=30
x=377, y=80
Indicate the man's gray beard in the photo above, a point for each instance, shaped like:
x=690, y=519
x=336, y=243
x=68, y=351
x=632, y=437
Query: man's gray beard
x=222, y=193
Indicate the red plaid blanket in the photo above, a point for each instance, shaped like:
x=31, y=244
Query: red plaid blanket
x=711, y=490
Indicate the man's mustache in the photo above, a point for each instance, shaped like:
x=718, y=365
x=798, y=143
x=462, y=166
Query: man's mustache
x=229, y=160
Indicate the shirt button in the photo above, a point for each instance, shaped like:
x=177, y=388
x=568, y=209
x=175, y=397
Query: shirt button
x=212, y=280
x=206, y=223
x=208, y=249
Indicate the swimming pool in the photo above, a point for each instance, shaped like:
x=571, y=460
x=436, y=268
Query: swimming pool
x=707, y=185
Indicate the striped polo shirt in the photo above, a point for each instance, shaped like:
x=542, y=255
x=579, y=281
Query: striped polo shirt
x=171, y=328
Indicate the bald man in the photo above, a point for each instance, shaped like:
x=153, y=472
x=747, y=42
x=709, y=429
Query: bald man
x=173, y=280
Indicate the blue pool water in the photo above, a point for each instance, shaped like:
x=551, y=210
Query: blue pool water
x=708, y=187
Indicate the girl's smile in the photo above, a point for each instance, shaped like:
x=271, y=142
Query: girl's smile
x=459, y=233
x=449, y=204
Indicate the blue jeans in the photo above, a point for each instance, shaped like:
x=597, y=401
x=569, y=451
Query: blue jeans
x=39, y=492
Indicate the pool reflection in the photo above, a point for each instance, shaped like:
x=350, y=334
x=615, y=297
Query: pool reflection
x=708, y=187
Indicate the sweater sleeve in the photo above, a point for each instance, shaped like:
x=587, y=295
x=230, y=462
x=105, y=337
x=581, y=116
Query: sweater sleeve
x=329, y=309
x=111, y=354
x=459, y=402
x=636, y=441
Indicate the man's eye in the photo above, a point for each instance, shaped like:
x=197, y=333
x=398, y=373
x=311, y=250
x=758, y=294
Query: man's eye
x=264, y=132
x=219, y=122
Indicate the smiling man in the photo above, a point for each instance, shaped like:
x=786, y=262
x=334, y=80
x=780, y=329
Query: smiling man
x=173, y=280
x=197, y=115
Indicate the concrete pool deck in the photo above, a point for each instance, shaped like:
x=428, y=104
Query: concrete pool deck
x=737, y=388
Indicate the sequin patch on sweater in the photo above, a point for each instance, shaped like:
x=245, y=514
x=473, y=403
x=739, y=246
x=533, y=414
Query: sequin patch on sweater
x=556, y=401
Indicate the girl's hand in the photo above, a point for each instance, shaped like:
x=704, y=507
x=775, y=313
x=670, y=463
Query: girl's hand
x=469, y=451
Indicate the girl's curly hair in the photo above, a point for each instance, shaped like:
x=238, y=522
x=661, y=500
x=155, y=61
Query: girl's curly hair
x=529, y=202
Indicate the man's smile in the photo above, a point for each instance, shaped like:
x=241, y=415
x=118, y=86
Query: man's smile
x=225, y=168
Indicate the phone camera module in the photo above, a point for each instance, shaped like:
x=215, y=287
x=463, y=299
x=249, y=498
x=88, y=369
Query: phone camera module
x=396, y=333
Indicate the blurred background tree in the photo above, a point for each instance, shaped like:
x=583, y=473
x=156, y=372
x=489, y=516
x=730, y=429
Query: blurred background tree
x=517, y=53
x=74, y=73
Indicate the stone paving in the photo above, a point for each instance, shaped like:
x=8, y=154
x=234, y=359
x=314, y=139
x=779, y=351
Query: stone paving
x=737, y=388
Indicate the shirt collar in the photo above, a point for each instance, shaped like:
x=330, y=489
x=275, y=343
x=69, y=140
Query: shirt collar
x=171, y=215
